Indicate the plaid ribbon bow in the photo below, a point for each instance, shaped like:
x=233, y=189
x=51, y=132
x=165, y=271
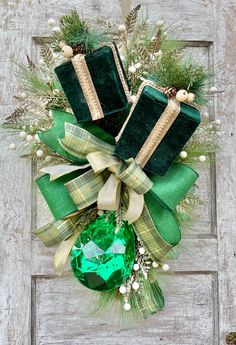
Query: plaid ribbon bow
x=91, y=186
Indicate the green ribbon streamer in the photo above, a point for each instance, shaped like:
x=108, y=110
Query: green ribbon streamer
x=166, y=193
x=150, y=236
x=150, y=298
x=55, y=232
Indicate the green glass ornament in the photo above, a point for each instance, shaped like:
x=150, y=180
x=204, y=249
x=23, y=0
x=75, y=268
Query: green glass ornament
x=103, y=255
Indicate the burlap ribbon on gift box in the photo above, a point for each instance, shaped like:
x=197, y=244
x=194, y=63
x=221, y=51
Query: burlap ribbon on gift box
x=87, y=85
x=95, y=85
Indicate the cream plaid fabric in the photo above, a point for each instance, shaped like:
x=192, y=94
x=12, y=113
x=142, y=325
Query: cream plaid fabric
x=80, y=142
x=134, y=177
x=90, y=187
x=150, y=238
x=85, y=188
x=55, y=232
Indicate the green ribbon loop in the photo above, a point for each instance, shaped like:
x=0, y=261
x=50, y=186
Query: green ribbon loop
x=157, y=228
x=171, y=188
x=134, y=177
x=79, y=142
x=56, y=194
x=52, y=136
x=85, y=188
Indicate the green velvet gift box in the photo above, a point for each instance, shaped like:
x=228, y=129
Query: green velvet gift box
x=137, y=137
x=95, y=85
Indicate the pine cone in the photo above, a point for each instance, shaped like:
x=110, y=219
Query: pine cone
x=78, y=50
x=170, y=92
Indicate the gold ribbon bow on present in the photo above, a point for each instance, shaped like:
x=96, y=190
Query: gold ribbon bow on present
x=92, y=185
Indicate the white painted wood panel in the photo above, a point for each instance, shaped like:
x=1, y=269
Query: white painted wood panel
x=225, y=59
x=64, y=316
x=192, y=19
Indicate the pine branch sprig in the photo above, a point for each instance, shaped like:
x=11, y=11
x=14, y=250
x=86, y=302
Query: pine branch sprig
x=76, y=33
x=173, y=71
x=32, y=80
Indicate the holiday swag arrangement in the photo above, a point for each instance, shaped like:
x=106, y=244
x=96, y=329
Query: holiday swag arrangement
x=111, y=116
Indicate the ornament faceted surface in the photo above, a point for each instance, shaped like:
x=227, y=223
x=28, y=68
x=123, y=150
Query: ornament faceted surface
x=103, y=255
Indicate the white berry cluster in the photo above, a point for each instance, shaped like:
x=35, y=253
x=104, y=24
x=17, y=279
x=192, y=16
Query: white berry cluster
x=184, y=96
x=53, y=25
x=30, y=139
x=142, y=264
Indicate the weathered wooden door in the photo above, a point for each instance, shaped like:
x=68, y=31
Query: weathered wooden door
x=36, y=307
